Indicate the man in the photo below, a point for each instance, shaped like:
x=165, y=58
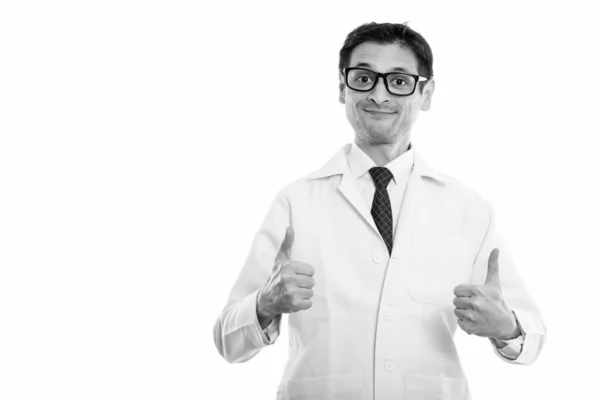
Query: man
x=376, y=257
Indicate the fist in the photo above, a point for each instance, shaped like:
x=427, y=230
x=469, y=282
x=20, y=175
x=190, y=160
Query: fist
x=289, y=288
x=481, y=309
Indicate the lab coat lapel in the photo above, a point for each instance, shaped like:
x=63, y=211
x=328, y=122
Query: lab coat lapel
x=348, y=188
x=338, y=165
x=416, y=190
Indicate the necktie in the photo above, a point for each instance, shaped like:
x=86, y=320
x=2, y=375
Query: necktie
x=381, y=210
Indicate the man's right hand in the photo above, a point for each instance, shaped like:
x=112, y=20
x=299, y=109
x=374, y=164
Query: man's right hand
x=289, y=288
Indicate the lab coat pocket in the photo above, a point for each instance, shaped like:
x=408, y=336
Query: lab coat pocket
x=435, y=387
x=327, y=387
x=438, y=263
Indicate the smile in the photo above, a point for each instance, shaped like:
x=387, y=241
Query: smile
x=379, y=114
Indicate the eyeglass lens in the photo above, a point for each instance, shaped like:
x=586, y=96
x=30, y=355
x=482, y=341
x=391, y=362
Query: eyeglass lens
x=398, y=83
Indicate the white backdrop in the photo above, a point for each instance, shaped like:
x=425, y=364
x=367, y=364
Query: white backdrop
x=141, y=143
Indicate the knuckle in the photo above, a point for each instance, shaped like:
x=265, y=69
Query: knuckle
x=296, y=302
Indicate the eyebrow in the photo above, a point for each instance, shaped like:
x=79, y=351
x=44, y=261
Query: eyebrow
x=367, y=65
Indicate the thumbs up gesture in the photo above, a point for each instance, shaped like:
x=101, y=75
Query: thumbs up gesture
x=289, y=288
x=481, y=309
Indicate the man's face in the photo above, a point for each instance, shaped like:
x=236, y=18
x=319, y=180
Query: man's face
x=377, y=116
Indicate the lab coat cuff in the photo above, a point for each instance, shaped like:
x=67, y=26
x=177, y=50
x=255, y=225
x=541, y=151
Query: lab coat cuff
x=533, y=335
x=250, y=325
x=271, y=332
x=512, y=348
x=528, y=326
x=248, y=320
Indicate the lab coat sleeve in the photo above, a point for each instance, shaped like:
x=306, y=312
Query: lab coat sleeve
x=237, y=333
x=515, y=294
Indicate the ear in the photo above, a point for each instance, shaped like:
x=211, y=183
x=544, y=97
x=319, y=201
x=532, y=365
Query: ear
x=342, y=86
x=427, y=94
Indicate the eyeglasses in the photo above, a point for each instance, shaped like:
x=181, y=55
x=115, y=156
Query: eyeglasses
x=397, y=83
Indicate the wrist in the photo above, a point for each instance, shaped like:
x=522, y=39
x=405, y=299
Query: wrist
x=261, y=312
x=515, y=330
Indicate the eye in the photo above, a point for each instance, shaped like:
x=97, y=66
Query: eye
x=363, y=78
x=400, y=82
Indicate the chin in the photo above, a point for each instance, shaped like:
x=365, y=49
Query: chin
x=378, y=133
x=381, y=132
x=378, y=137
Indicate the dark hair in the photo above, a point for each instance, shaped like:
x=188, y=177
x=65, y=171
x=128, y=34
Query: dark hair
x=387, y=33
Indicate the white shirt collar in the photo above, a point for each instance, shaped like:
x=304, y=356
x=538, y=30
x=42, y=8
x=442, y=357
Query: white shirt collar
x=360, y=163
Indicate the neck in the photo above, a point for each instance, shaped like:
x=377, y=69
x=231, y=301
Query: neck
x=383, y=153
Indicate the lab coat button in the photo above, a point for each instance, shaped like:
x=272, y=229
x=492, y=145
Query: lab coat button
x=390, y=365
x=377, y=258
x=387, y=311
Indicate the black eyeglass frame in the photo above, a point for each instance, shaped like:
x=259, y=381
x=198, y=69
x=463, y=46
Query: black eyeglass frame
x=418, y=79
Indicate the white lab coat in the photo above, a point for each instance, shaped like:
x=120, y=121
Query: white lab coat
x=380, y=327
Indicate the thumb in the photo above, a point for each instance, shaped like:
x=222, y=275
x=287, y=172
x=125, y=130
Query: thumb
x=285, y=250
x=493, y=276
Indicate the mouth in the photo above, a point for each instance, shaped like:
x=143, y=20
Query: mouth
x=379, y=114
x=379, y=111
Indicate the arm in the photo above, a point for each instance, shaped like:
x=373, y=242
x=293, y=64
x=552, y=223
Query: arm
x=237, y=333
x=516, y=296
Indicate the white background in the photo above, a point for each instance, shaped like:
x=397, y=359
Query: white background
x=141, y=143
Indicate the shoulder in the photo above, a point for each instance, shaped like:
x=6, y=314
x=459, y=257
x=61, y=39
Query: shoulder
x=459, y=188
x=301, y=187
x=323, y=174
x=457, y=195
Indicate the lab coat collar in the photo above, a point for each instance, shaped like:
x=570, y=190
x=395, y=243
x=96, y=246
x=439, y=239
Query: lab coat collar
x=338, y=164
x=415, y=191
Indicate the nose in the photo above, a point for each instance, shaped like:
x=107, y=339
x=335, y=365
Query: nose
x=379, y=93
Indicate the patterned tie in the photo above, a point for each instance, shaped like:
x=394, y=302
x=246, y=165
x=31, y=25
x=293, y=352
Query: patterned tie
x=382, y=209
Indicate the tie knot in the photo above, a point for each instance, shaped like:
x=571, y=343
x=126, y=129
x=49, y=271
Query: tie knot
x=381, y=176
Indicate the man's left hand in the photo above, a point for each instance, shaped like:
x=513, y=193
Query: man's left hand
x=481, y=309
